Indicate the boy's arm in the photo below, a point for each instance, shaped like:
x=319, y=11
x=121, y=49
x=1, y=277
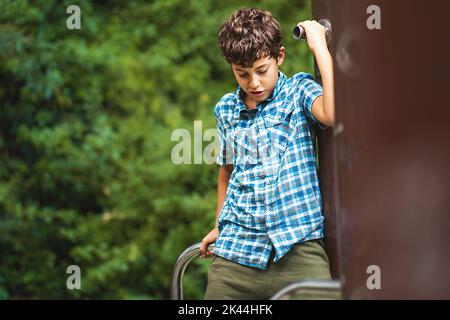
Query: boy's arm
x=323, y=106
x=222, y=185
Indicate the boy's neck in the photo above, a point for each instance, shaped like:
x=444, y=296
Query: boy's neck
x=250, y=105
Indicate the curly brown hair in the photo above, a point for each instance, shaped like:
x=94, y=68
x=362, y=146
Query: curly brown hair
x=248, y=35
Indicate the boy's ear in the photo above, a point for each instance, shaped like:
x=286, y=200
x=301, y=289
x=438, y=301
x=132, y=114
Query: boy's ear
x=281, y=56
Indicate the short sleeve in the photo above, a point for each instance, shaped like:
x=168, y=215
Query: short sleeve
x=225, y=155
x=309, y=90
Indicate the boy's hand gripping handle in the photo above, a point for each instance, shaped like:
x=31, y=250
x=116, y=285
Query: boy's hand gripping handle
x=300, y=34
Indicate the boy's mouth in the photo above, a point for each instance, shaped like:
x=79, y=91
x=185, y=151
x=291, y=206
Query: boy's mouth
x=257, y=93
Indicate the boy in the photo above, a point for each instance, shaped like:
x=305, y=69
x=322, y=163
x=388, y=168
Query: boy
x=269, y=221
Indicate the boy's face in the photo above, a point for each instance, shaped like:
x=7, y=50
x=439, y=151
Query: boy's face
x=259, y=80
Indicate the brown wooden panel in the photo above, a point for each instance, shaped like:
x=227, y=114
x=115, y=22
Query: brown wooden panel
x=391, y=147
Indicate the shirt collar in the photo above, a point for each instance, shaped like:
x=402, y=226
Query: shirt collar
x=240, y=105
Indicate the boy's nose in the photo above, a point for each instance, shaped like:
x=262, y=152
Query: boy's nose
x=254, y=84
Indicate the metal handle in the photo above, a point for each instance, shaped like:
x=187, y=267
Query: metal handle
x=300, y=34
x=180, y=266
x=331, y=287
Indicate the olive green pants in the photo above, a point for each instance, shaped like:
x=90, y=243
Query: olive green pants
x=229, y=280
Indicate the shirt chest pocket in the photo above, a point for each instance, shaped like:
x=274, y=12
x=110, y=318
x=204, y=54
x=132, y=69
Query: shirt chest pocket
x=281, y=130
x=244, y=144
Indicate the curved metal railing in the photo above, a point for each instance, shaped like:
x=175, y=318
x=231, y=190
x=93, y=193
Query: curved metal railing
x=180, y=266
x=330, y=289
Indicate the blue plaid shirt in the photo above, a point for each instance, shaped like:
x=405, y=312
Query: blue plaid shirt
x=273, y=199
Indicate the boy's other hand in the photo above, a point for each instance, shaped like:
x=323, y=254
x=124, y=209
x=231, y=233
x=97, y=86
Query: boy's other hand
x=211, y=237
x=315, y=35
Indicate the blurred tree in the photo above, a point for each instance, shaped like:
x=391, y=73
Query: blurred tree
x=86, y=118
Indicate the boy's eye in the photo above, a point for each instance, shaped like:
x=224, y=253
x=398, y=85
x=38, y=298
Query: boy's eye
x=245, y=75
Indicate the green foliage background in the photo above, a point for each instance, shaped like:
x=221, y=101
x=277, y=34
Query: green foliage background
x=86, y=118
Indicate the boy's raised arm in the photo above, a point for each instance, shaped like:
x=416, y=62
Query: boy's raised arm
x=323, y=107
